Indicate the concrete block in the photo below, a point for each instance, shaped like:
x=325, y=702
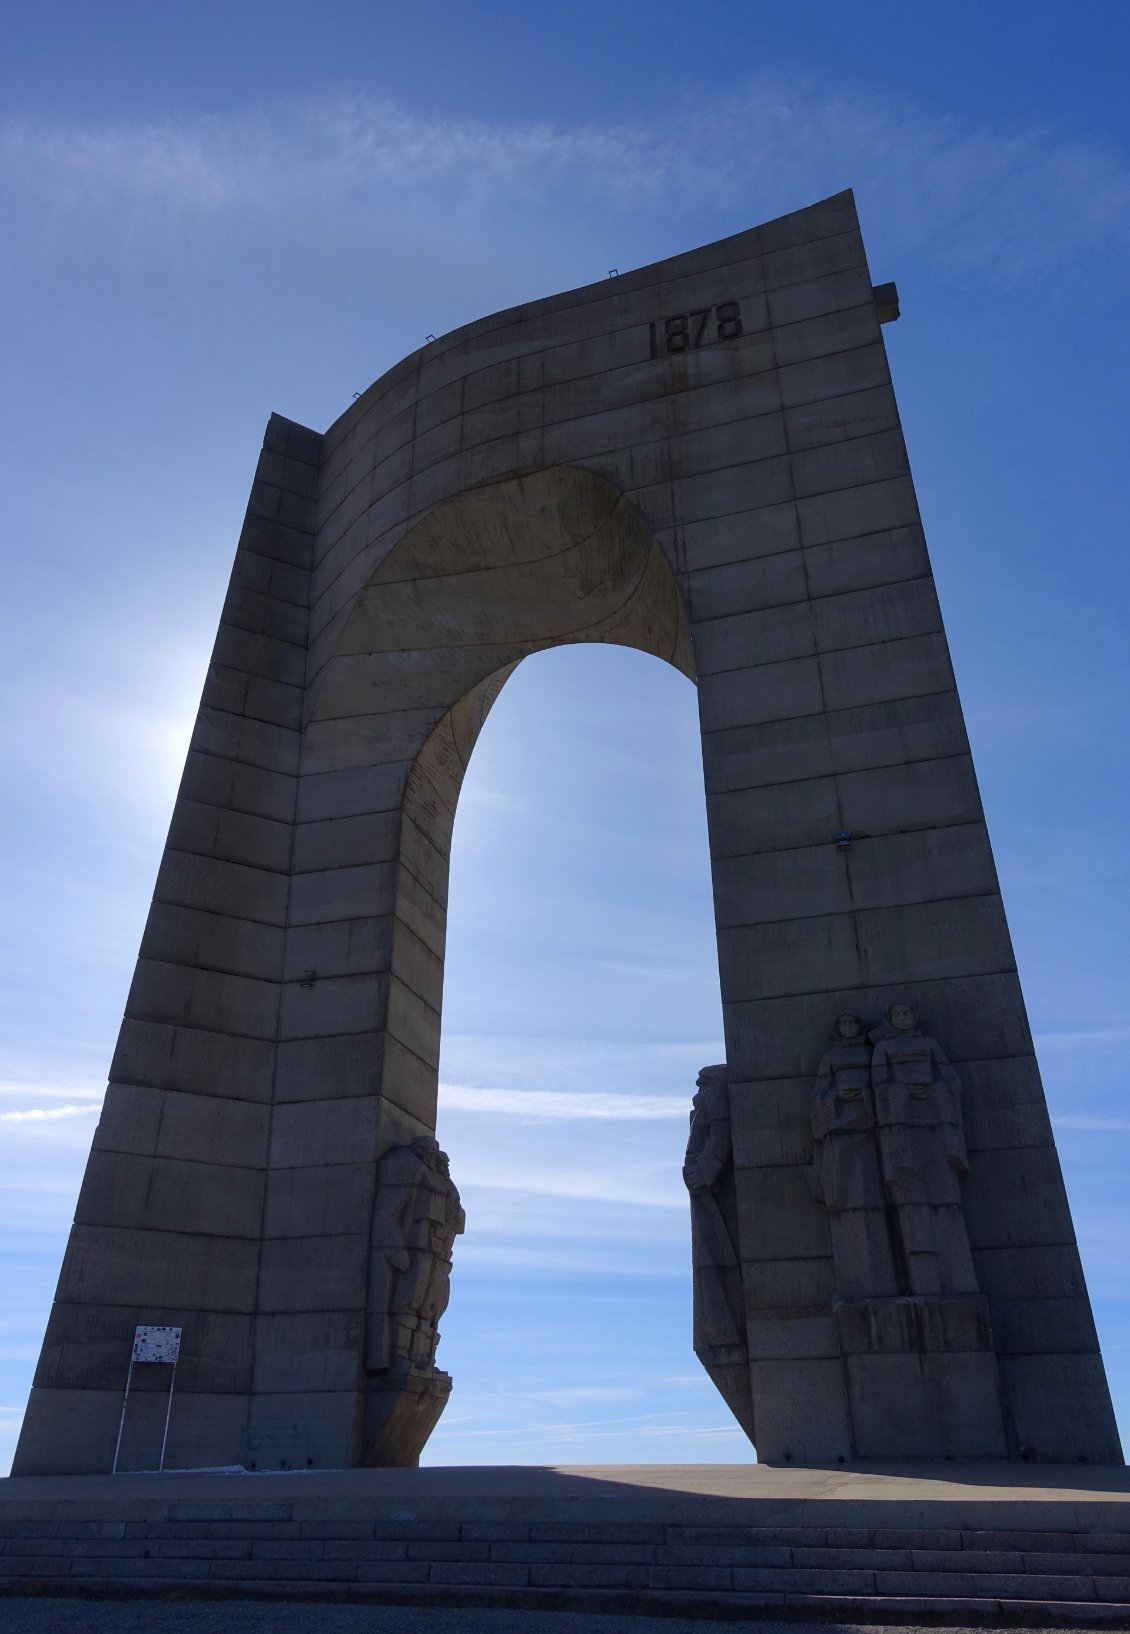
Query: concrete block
x=422, y=911
x=1030, y=1272
x=216, y=886
x=235, y=836
x=889, y=557
x=223, y=782
x=776, y=1337
x=412, y=1022
x=186, y=1058
x=170, y=1195
x=750, y=638
x=860, y=413
x=885, y=671
x=740, y=536
x=344, y=947
x=820, y=337
x=172, y=1124
x=87, y=1346
x=304, y=1430
x=878, y=613
x=165, y=1269
x=925, y=727
x=932, y=1406
x=1035, y=1389
x=314, y=1274
x=851, y=463
x=343, y=893
x=771, y=1122
x=873, y=507
x=1021, y=1202
x=308, y=1350
x=742, y=587
x=359, y=791
x=251, y=743
x=213, y=1001
x=931, y=794
x=800, y=1412
x=331, y=1067
x=305, y=1133
x=331, y=1005
x=787, y=1284
x=887, y=872
x=778, y=1217
x=764, y=692
x=817, y=296
x=325, y=1201
x=346, y=842
x=835, y=375
x=214, y=941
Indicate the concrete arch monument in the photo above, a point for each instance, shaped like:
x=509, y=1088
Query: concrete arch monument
x=702, y=459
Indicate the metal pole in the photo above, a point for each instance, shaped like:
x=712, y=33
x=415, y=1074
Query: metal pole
x=168, y=1415
x=122, y=1420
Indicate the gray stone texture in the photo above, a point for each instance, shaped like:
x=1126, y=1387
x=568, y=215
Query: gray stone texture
x=734, y=499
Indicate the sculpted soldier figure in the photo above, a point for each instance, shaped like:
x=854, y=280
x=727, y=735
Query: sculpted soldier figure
x=417, y=1219
x=846, y=1174
x=719, y=1318
x=922, y=1152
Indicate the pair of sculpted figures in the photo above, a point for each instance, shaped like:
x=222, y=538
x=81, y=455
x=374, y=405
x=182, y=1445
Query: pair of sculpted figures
x=888, y=1160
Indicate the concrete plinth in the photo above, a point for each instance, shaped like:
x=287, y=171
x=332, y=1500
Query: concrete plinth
x=971, y=1543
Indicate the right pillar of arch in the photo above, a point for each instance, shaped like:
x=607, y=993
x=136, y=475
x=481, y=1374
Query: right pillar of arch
x=876, y=1153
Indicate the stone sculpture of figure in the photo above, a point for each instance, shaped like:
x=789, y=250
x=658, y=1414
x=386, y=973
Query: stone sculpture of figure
x=416, y=1220
x=845, y=1170
x=708, y=1171
x=922, y=1152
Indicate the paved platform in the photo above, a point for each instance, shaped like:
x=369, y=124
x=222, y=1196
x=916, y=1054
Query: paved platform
x=958, y=1543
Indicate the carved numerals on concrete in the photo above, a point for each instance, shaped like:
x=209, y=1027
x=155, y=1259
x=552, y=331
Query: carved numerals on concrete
x=687, y=331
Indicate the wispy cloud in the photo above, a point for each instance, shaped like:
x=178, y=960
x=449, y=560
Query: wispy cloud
x=48, y=1114
x=1014, y=202
x=538, y=1104
x=1101, y=1125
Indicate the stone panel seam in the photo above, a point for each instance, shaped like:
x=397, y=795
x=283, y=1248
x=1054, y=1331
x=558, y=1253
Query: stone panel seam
x=820, y=714
x=809, y=601
x=824, y=777
x=865, y=987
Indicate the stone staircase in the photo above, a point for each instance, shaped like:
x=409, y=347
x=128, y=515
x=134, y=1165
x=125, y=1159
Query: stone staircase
x=593, y=1539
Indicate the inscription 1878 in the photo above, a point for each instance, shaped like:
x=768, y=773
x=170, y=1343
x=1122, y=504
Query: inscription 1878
x=685, y=331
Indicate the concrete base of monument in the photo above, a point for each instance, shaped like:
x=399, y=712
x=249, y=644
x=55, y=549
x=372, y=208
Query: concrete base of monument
x=944, y=1542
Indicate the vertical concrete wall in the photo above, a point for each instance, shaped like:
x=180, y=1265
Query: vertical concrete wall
x=171, y=1211
x=702, y=459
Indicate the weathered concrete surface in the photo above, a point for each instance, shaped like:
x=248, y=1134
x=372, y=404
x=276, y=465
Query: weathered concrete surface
x=953, y=1542
x=703, y=460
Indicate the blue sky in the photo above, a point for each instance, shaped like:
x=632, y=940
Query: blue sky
x=216, y=211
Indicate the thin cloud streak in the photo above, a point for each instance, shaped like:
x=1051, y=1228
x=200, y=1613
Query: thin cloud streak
x=44, y=1114
x=981, y=199
x=538, y=1104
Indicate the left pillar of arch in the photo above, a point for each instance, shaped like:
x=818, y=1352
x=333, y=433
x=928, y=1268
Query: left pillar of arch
x=170, y=1215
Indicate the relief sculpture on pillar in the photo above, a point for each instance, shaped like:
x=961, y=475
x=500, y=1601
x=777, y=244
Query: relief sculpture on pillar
x=922, y=1150
x=719, y=1315
x=889, y=1159
x=846, y=1174
x=416, y=1217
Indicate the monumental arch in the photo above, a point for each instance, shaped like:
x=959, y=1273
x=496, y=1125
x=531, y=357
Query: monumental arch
x=701, y=459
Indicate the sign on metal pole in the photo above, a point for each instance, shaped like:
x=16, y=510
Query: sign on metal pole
x=151, y=1344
